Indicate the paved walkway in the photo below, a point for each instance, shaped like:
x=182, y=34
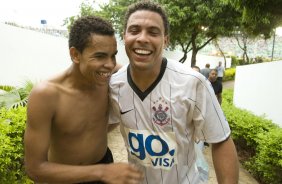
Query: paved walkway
x=228, y=84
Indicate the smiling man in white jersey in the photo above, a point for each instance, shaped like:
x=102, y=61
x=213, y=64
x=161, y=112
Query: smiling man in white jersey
x=162, y=107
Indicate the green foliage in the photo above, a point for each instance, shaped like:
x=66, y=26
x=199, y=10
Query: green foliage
x=12, y=125
x=196, y=23
x=114, y=11
x=261, y=16
x=234, y=61
x=257, y=137
x=229, y=74
x=193, y=23
x=12, y=97
x=86, y=8
x=267, y=164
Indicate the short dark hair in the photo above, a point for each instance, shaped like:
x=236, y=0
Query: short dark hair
x=215, y=70
x=196, y=67
x=150, y=6
x=84, y=27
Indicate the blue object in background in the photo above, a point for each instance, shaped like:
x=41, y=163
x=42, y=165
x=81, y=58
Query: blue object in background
x=43, y=21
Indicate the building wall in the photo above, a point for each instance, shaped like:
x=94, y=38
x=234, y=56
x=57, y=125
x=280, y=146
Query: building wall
x=258, y=88
x=30, y=55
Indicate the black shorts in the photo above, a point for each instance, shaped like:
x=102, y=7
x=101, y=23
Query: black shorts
x=107, y=159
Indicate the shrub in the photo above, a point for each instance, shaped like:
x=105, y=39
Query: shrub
x=12, y=124
x=267, y=163
x=229, y=74
x=258, y=139
x=234, y=61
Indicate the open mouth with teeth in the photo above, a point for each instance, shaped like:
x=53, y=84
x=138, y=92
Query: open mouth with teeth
x=142, y=52
x=105, y=74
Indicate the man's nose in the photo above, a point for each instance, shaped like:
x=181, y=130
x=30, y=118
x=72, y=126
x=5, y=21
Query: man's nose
x=111, y=63
x=142, y=37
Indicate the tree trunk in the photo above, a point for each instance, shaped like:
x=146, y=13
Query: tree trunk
x=221, y=52
x=193, y=58
x=182, y=60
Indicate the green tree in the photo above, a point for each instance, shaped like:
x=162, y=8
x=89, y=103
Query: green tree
x=261, y=16
x=194, y=24
x=115, y=11
x=86, y=8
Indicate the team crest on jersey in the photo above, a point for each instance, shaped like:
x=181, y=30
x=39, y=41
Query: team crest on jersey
x=161, y=112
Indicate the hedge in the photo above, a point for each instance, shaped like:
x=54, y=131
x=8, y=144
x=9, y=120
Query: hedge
x=258, y=138
x=229, y=74
x=12, y=125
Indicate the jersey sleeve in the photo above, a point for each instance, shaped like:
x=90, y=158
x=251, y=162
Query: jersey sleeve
x=208, y=118
x=114, y=114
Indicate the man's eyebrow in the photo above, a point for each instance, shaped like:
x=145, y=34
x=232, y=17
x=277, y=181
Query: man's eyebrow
x=100, y=53
x=150, y=27
x=103, y=53
x=133, y=25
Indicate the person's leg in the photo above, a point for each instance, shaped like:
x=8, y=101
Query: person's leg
x=219, y=79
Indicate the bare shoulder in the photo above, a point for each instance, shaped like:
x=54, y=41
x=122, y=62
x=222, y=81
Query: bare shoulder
x=44, y=97
x=46, y=90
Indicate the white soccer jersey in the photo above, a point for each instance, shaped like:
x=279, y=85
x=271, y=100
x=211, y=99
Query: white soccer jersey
x=160, y=125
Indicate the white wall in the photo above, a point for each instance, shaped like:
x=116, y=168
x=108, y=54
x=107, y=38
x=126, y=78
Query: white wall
x=27, y=54
x=258, y=88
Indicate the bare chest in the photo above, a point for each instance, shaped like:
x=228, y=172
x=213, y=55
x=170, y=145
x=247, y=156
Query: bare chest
x=78, y=113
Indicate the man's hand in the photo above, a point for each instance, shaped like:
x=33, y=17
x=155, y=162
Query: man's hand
x=121, y=173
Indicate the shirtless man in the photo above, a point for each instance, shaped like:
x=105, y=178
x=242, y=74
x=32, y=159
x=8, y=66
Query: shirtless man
x=66, y=134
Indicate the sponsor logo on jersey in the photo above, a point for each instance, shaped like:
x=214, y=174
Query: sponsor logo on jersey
x=161, y=114
x=154, y=149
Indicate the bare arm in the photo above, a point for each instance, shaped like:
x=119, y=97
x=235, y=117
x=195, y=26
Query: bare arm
x=41, y=110
x=225, y=162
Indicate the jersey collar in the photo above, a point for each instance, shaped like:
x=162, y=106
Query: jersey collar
x=143, y=95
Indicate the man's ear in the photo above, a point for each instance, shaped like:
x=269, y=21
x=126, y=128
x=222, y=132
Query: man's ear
x=75, y=55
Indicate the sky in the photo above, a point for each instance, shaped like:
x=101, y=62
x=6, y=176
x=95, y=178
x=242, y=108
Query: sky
x=31, y=12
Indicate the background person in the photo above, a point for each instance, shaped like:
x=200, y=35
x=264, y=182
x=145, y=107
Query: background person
x=205, y=71
x=196, y=68
x=216, y=85
x=164, y=106
x=220, y=71
x=66, y=134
